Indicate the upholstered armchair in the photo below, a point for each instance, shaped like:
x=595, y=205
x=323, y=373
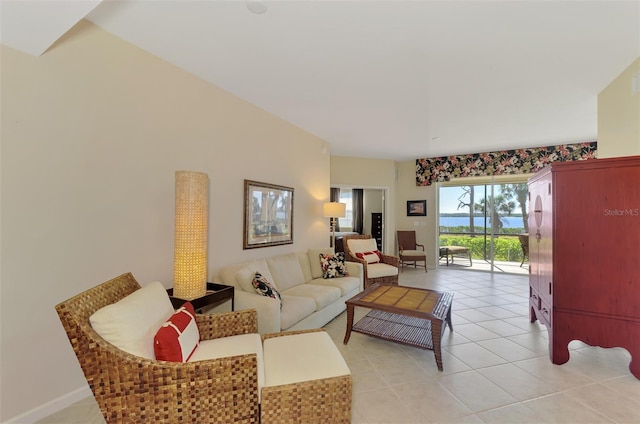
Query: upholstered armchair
x=410, y=250
x=377, y=267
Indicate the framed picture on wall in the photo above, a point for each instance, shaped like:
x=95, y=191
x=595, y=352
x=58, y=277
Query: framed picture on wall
x=268, y=215
x=416, y=208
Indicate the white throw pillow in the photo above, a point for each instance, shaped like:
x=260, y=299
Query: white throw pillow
x=131, y=323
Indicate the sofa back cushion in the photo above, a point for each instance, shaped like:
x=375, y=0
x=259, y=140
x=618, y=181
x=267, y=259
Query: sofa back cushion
x=303, y=258
x=131, y=323
x=314, y=260
x=286, y=271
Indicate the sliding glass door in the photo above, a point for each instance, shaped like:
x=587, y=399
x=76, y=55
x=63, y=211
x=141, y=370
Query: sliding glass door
x=486, y=215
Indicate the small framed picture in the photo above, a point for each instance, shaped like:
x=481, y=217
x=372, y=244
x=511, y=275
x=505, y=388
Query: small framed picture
x=416, y=208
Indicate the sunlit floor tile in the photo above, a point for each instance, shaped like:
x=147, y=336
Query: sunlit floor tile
x=501, y=328
x=608, y=402
x=507, y=349
x=380, y=406
x=517, y=382
x=475, y=391
x=475, y=355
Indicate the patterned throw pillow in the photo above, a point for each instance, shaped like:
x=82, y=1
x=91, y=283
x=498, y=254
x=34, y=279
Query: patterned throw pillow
x=265, y=288
x=179, y=337
x=370, y=257
x=333, y=265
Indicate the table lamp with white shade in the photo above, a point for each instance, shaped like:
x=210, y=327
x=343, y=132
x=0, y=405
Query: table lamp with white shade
x=334, y=210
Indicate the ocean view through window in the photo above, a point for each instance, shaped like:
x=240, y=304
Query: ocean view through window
x=486, y=215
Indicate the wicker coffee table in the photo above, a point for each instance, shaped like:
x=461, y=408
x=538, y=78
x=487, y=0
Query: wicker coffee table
x=404, y=315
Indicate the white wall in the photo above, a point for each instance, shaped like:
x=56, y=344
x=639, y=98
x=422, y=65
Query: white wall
x=425, y=226
x=92, y=133
x=619, y=115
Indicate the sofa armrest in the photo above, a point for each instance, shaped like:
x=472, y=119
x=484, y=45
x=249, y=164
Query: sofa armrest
x=356, y=270
x=361, y=262
x=268, y=310
x=213, y=326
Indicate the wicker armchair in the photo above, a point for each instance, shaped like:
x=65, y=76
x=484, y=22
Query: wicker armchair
x=373, y=273
x=409, y=252
x=132, y=389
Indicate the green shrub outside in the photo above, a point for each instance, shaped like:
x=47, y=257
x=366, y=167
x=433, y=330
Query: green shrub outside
x=505, y=248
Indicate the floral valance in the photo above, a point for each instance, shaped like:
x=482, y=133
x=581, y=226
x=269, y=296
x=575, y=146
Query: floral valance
x=518, y=161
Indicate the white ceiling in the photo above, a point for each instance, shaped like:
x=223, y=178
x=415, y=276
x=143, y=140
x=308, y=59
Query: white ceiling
x=381, y=79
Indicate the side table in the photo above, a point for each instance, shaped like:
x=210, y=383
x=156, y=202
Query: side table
x=216, y=294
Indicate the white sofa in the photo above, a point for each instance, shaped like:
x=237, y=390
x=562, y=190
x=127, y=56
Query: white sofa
x=308, y=300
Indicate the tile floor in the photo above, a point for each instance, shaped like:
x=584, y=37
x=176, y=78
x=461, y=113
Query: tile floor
x=496, y=368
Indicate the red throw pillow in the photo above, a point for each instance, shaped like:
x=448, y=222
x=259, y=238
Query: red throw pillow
x=370, y=257
x=179, y=337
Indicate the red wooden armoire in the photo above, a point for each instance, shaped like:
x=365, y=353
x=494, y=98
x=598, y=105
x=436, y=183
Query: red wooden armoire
x=584, y=253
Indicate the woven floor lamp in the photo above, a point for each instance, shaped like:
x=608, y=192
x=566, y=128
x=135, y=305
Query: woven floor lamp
x=190, y=244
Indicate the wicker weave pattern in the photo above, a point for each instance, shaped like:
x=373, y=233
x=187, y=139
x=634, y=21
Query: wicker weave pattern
x=322, y=401
x=190, y=241
x=386, y=259
x=131, y=389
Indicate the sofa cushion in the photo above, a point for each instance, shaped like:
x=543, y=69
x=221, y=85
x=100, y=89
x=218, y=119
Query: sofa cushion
x=294, y=309
x=131, y=323
x=333, y=265
x=321, y=295
x=231, y=346
x=362, y=245
x=303, y=259
x=265, y=287
x=245, y=275
x=286, y=271
x=314, y=260
x=413, y=253
x=381, y=270
x=370, y=257
x=302, y=357
x=345, y=284
x=178, y=337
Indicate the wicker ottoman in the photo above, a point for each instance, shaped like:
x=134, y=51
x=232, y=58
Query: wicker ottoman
x=452, y=251
x=306, y=379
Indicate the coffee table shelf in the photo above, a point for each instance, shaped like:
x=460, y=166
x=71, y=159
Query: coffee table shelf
x=397, y=328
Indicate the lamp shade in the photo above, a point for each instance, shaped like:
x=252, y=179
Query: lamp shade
x=190, y=243
x=334, y=210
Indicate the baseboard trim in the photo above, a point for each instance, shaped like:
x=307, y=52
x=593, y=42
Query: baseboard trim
x=51, y=407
